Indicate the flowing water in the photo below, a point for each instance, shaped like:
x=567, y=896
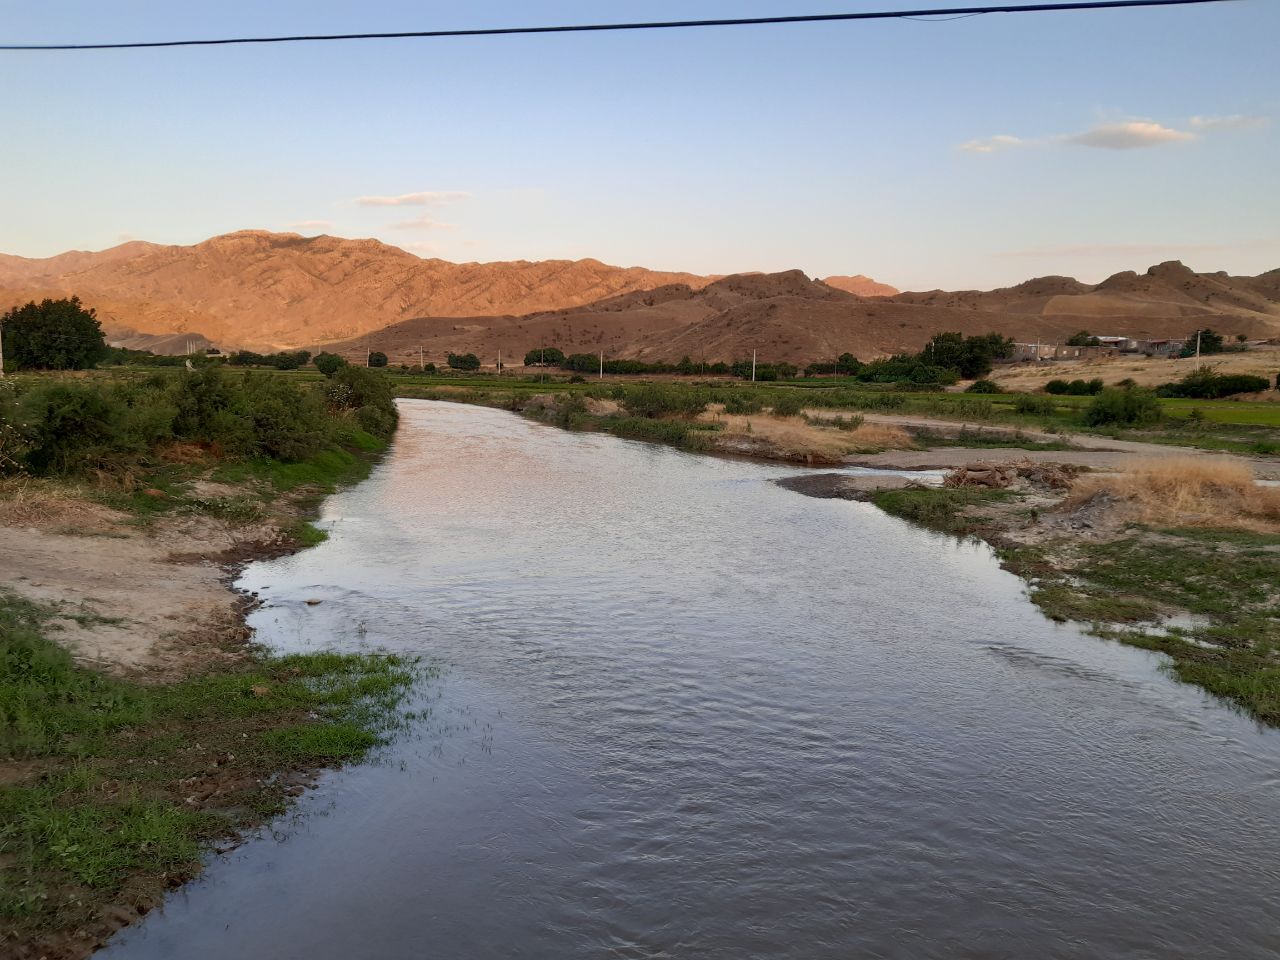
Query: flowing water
x=686, y=713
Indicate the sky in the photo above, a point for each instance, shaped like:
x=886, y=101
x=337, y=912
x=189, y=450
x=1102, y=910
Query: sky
x=971, y=153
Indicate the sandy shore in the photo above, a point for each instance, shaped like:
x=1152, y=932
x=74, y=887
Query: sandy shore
x=152, y=600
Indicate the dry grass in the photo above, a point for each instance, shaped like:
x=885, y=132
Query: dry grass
x=1190, y=492
x=52, y=506
x=796, y=437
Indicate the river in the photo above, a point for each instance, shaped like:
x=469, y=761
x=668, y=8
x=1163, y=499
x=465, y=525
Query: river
x=684, y=713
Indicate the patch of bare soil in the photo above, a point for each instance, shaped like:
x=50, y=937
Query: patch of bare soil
x=152, y=600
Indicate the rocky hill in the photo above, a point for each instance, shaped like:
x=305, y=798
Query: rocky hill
x=268, y=290
x=259, y=289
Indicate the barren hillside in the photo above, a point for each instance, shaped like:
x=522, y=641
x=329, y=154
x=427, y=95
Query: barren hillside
x=260, y=289
x=787, y=316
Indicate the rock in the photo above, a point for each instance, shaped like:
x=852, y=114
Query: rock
x=313, y=602
x=258, y=690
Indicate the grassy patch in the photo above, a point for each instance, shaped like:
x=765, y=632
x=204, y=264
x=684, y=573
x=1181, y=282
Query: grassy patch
x=1229, y=581
x=986, y=438
x=945, y=509
x=120, y=785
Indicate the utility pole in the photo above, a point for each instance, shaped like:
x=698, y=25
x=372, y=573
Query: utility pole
x=753, y=366
x=601, y=364
x=1, y=351
x=421, y=367
x=499, y=361
x=1197, y=344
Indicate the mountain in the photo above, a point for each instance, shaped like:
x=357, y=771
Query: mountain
x=270, y=290
x=787, y=316
x=862, y=286
x=260, y=290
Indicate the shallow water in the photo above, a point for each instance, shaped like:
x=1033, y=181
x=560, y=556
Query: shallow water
x=686, y=713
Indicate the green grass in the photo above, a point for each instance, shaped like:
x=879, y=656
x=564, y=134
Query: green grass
x=110, y=763
x=984, y=439
x=1229, y=581
x=945, y=509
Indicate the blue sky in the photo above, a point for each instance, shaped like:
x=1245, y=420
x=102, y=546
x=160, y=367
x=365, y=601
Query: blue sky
x=971, y=153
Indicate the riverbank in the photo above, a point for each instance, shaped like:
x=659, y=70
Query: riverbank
x=139, y=728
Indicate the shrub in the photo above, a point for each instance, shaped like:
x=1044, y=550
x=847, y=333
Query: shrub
x=984, y=386
x=287, y=423
x=1204, y=384
x=66, y=426
x=329, y=363
x=788, y=404
x=652, y=400
x=464, y=361
x=1034, y=405
x=1133, y=407
x=379, y=359
x=366, y=394
x=1057, y=387
x=544, y=357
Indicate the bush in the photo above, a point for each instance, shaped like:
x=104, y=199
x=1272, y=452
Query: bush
x=53, y=335
x=1204, y=384
x=544, y=357
x=66, y=426
x=1034, y=405
x=984, y=386
x=1057, y=387
x=464, y=361
x=1133, y=407
x=366, y=394
x=653, y=401
x=788, y=404
x=379, y=359
x=287, y=423
x=329, y=363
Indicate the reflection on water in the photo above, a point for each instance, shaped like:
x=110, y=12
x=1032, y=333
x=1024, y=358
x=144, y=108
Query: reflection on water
x=686, y=713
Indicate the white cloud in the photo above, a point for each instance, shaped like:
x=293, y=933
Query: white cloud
x=992, y=144
x=1235, y=121
x=1130, y=135
x=423, y=222
x=426, y=198
x=313, y=225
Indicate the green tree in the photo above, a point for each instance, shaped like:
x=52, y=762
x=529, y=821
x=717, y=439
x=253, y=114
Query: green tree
x=52, y=335
x=544, y=357
x=377, y=359
x=464, y=361
x=1209, y=341
x=1083, y=338
x=329, y=363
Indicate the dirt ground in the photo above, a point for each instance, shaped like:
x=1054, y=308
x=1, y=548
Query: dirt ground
x=152, y=600
x=1147, y=371
x=1094, y=452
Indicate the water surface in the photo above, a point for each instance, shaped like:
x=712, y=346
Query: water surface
x=686, y=713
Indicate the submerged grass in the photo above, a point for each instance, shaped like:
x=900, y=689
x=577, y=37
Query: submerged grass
x=1209, y=599
x=112, y=788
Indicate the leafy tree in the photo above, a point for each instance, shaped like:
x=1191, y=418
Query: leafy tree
x=1083, y=339
x=53, y=335
x=544, y=357
x=970, y=357
x=377, y=359
x=464, y=361
x=1209, y=341
x=329, y=363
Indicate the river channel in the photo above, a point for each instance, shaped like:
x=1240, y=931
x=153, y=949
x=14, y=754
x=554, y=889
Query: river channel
x=684, y=713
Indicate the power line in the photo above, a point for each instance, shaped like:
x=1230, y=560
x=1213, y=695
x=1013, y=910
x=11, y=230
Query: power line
x=956, y=12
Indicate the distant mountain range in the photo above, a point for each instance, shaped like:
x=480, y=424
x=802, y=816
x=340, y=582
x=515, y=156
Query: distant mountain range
x=259, y=290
